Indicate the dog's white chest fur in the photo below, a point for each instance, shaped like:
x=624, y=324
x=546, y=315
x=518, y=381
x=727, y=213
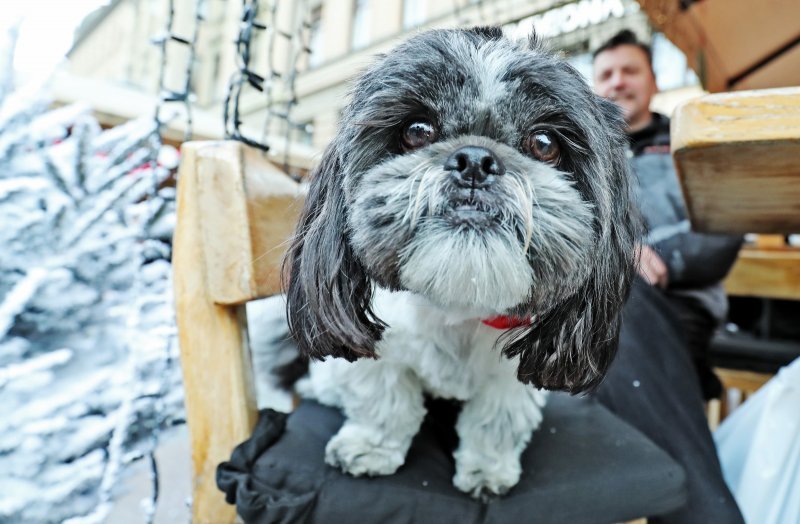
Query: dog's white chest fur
x=446, y=354
x=452, y=353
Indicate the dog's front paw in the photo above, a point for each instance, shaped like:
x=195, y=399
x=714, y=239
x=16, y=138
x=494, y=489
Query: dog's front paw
x=480, y=475
x=359, y=450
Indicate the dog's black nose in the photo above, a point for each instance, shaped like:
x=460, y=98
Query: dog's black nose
x=472, y=165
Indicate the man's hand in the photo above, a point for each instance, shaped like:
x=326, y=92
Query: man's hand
x=650, y=266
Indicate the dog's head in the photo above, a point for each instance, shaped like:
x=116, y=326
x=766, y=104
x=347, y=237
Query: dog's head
x=483, y=174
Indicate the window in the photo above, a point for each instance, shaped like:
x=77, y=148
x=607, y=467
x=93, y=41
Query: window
x=361, y=20
x=414, y=12
x=315, y=37
x=303, y=133
x=670, y=66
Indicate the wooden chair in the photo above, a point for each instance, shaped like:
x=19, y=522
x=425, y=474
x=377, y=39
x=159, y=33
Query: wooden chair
x=738, y=158
x=235, y=214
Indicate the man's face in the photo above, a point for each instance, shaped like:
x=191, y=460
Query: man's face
x=623, y=74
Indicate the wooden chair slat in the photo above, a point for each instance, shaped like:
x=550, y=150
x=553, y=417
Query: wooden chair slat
x=232, y=206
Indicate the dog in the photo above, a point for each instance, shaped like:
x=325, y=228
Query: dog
x=467, y=234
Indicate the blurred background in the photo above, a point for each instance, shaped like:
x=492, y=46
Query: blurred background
x=96, y=97
x=304, y=56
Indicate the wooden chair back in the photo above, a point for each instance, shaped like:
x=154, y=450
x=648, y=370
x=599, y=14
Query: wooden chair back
x=737, y=158
x=236, y=212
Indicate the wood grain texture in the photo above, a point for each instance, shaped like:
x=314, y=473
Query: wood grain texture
x=232, y=221
x=769, y=273
x=747, y=381
x=736, y=155
x=250, y=209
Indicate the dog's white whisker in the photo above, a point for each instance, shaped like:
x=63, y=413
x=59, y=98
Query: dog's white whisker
x=524, y=204
x=535, y=204
x=281, y=247
x=409, y=215
x=417, y=178
x=418, y=200
x=431, y=180
x=528, y=214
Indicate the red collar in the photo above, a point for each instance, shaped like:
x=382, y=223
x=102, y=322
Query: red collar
x=507, y=322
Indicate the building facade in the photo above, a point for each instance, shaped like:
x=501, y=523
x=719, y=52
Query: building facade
x=308, y=51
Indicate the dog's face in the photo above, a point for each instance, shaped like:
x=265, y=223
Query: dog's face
x=484, y=175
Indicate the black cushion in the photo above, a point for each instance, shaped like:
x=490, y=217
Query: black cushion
x=583, y=465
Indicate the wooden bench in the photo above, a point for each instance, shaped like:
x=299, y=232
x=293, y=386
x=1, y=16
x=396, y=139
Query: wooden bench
x=738, y=159
x=769, y=268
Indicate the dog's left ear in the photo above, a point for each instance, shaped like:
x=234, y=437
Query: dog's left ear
x=329, y=295
x=571, y=346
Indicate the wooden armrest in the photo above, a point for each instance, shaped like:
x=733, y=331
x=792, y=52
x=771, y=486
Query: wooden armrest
x=738, y=158
x=235, y=214
x=769, y=273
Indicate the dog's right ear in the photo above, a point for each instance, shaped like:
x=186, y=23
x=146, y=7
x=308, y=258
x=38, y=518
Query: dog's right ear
x=329, y=294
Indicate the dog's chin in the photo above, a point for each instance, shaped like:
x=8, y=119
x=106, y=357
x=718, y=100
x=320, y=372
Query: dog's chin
x=463, y=262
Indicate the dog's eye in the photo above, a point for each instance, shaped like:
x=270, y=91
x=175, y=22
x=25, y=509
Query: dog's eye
x=542, y=145
x=417, y=134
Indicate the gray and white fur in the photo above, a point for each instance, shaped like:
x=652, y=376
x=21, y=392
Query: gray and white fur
x=471, y=176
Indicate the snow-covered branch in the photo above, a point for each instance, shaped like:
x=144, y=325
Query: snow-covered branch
x=15, y=302
x=80, y=269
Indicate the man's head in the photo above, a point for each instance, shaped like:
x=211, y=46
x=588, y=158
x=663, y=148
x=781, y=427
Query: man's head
x=623, y=72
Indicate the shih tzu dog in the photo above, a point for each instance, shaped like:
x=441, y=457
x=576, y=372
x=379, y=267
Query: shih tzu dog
x=467, y=235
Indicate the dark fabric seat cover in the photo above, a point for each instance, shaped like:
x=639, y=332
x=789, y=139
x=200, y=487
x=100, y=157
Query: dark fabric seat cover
x=583, y=465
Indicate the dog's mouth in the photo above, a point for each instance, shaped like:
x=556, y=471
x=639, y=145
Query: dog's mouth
x=471, y=209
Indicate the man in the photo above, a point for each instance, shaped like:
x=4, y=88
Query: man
x=688, y=266
x=667, y=326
